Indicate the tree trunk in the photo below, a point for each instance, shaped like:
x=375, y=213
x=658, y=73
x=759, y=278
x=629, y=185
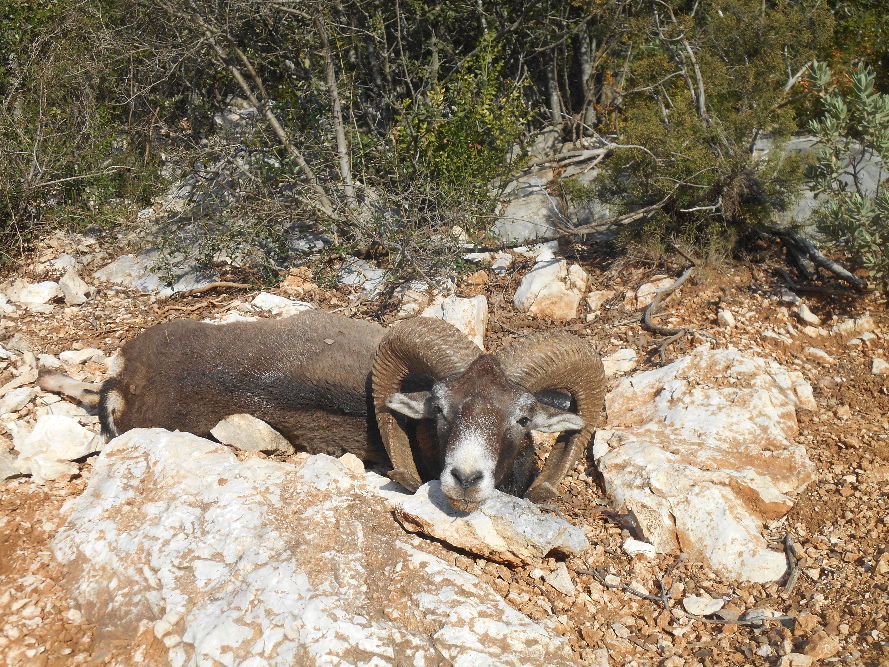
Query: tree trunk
x=552, y=85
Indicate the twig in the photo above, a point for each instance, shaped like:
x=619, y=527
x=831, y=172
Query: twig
x=792, y=568
x=794, y=286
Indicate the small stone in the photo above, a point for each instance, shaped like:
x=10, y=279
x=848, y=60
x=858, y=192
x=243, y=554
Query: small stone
x=789, y=297
x=622, y=361
x=502, y=261
x=469, y=315
x=620, y=630
x=807, y=316
x=249, y=434
x=854, y=326
x=702, y=605
x=725, y=318
x=805, y=623
x=764, y=650
x=818, y=355
x=612, y=580
x=560, y=579
x=822, y=646
x=49, y=361
x=795, y=660
x=36, y=294
x=278, y=305
x=596, y=299
x=879, y=366
x=77, y=357
x=74, y=289
x=633, y=547
x=16, y=399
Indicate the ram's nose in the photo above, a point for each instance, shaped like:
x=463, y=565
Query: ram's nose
x=467, y=480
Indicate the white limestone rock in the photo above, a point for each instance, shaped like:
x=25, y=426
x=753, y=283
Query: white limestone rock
x=806, y=316
x=8, y=465
x=34, y=296
x=635, y=547
x=469, y=315
x=819, y=355
x=725, y=318
x=46, y=451
x=505, y=528
x=249, y=434
x=139, y=272
x=78, y=357
x=74, y=289
x=853, y=326
x=547, y=290
x=278, y=306
x=646, y=293
x=261, y=562
x=560, y=579
x=359, y=273
x=16, y=399
x=702, y=453
x=702, y=605
x=621, y=361
x=877, y=367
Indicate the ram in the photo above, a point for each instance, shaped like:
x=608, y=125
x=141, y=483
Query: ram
x=418, y=396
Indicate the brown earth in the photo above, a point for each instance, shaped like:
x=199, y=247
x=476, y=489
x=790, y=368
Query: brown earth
x=840, y=523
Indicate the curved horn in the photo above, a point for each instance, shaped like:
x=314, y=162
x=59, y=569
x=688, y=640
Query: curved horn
x=558, y=361
x=421, y=345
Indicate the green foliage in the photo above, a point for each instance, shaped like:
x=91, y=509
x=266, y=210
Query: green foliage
x=852, y=129
x=459, y=133
x=709, y=88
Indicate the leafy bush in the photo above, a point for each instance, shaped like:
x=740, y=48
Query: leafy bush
x=853, y=129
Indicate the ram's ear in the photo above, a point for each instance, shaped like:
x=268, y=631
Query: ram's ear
x=416, y=405
x=548, y=419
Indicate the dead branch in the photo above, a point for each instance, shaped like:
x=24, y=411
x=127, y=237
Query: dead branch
x=655, y=303
x=799, y=245
x=597, y=574
x=216, y=285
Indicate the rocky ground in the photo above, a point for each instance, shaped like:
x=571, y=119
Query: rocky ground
x=837, y=609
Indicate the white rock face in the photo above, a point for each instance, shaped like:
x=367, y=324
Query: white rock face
x=548, y=290
x=33, y=294
x=249, y=434
x=506, y=529
x=469, y=315
x=74, y=289
x=259, y=562
x=46, y=451
x=702, y=453
x=360, y=273
x=278, y=305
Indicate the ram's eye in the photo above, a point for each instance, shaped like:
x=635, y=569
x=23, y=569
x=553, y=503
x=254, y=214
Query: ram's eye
x=523, y=421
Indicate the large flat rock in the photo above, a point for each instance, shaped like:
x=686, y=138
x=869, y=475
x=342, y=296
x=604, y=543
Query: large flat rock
x=262, y=562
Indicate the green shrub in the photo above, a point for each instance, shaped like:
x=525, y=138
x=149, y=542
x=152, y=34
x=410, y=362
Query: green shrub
x=852, y=128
